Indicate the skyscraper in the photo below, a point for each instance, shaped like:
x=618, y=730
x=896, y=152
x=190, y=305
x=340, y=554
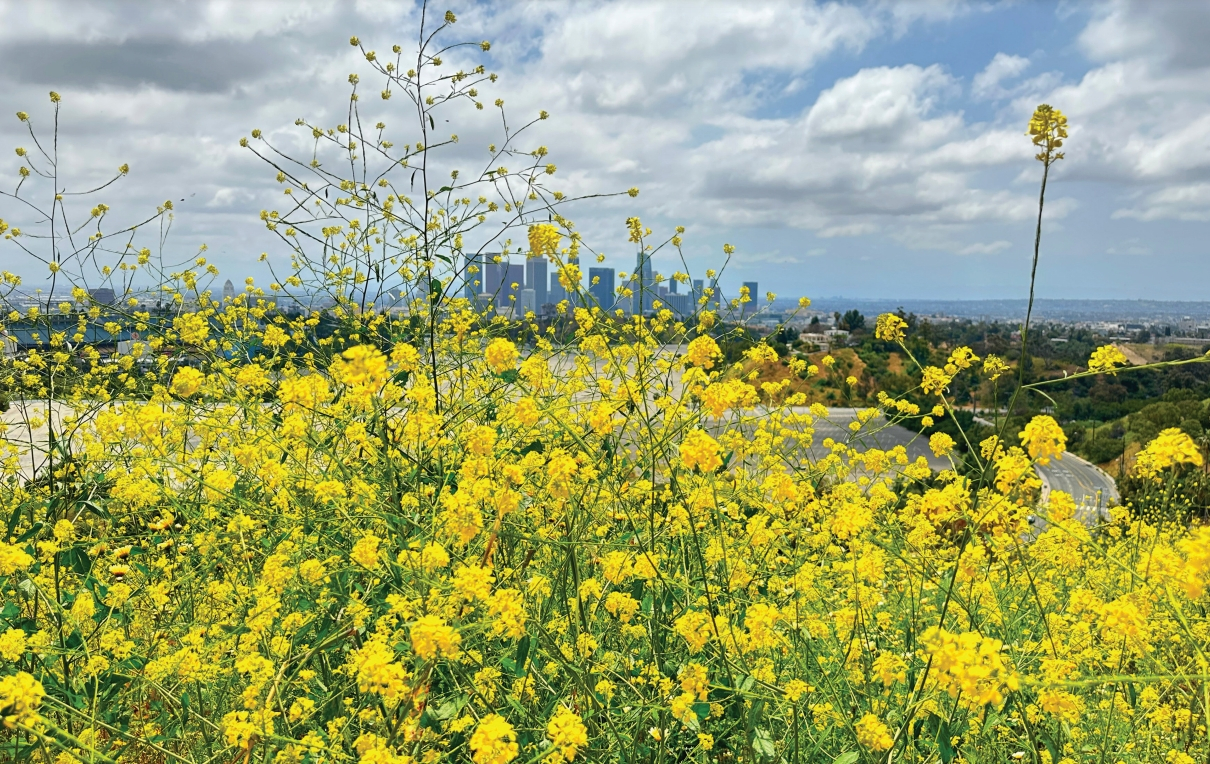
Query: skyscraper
x=753, y=305
x=470, y=288
x=493, y=277
x=680, y=304
x=228, y=291
x=535, y=278
x=643, y=284
x=557, y=293
x=513, y=274
x=601, y=286
x=699, y=287
x=525, y=302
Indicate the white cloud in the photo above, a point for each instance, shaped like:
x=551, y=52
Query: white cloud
x=1189, y=201
x=852, y=229
x=985, y=247
x=1132, y=246
x=988, y=83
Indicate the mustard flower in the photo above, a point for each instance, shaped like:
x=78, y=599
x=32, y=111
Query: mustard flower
x=1044, y=438
x=494, y=741
x=941, y=444
x=20, y=697
x=544, y=239
x=994, y=367
x=970, y=666
x=702, y=351
x=365, y=551
x=567, y=733
x=872, y=733
x=187, y=381
x=1106, y=359
x=934, y=380
x=501, y=355
x=890, y=328
x=700, y=451
x=1048, y=129
x=433, y=637
x=695, y=627
x=12, y=644
x=1170, y=448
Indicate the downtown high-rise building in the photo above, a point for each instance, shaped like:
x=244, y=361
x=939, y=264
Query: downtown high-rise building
x=556, y=293
x=473, y=283
x=601, y=287
x=535, y=279
x=642, y=284
x=514, y=282
x=699, y=287
x=679, y=303
x=753, y=305
x=493, y=279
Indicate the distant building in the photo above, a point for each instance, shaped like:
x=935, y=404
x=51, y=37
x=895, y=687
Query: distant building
x=753, y=305
x=485, y=301
x=680, y=304
x=526, y=302
x=103, y=296
x=556, y=293
x=500, y=279
x=472, y=283
x=535, y=278
x=699, y=287
x=228, y=291
x=643, y=284
x=601, y=287
x=493, y=277
x=515, y=274
x=818, y=339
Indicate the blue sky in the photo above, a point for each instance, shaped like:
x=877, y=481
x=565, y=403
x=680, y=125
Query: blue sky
x=858, y=149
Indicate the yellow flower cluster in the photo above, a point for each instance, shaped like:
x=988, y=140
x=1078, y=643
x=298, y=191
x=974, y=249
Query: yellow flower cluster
x=970, y=667
x=1106, y=358
x=1170, y=448
x=544, y=240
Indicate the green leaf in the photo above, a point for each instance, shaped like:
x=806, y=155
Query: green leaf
x=449, y=709
x=762, y=743
x=944, y=747
x=848, y=757
x=521, y=656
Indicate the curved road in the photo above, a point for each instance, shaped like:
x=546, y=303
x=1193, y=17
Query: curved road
x=1092, y=489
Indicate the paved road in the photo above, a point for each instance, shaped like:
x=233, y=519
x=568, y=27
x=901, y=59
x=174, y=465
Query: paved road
x=876, y=434
x=1091, y=487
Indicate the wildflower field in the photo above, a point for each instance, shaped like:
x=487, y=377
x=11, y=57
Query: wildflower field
x=407, y=529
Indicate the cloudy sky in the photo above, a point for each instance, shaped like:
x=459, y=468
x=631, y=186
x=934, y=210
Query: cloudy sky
x=856, y=149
